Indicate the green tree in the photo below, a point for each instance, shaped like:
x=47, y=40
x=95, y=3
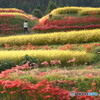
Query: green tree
x=37, y=13
x=51, y=5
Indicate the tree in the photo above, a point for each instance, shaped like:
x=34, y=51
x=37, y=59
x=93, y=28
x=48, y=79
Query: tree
x=37, y=13
x=50, y=7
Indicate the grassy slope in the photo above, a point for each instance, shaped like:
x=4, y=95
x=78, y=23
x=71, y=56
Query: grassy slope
x=13, y=19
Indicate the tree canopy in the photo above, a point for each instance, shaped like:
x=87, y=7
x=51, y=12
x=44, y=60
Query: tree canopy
x=29, y=5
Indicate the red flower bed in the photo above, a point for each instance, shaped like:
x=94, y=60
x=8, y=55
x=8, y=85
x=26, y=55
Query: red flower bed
x=68, y=23
x=52, y=28
x=71, y=21
x=9, y=29
x=11, y=23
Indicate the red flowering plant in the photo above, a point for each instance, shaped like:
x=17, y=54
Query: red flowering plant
x=55, y=62
x=45, y=63
x=68, y=24
x=88, y=47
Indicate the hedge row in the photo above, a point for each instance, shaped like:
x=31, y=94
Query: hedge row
x=81, y=57
x=84, y=36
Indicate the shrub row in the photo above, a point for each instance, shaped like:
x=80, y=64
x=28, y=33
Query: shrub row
x=84, y=36
x=77, y=10
x=11, y=10
x=81, y=57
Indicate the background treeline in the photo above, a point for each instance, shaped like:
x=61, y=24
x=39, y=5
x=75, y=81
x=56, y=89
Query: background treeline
x=29, y=5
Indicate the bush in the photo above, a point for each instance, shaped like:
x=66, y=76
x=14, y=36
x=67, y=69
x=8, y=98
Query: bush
x=6, y=64
x=37, y=13
x=51, y=6
x=29, y=59
x=97, y=50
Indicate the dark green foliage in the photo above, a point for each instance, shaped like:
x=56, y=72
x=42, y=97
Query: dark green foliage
x=51, y=6
x=29, y=5
x=29, y=59
x=37, y=13
x=97, y=50
x=6, y=64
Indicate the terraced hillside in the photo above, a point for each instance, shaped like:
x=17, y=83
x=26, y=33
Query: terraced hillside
x=49, y=65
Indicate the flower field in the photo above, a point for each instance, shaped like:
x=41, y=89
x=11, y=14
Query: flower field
x=48, y=64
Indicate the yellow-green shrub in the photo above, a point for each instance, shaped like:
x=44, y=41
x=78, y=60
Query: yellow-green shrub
x=95, y=11
x=13, y=10
x=83, y=36
x=47, y=55
x=73, y=10
x=66, y=10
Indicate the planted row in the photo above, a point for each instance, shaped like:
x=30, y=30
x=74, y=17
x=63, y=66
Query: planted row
x=11, y=10
x=93, y=47
x=67, y=24
x=71, y=21
x=84, y=36
x=54, y=28
x=76, y=57
x=77, y=10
